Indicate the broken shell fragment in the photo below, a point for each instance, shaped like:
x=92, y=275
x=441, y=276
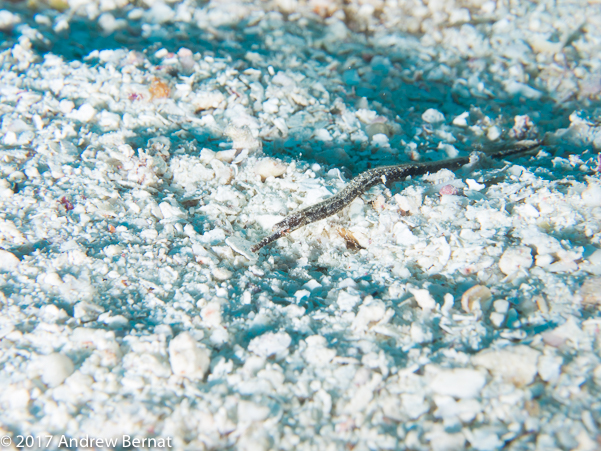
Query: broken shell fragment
x=269, y=167
x=591, y=291
x=476, y=300
x=351, y=241
x=515, y=259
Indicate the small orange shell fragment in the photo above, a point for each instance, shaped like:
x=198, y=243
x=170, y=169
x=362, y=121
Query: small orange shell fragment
x=159, y=89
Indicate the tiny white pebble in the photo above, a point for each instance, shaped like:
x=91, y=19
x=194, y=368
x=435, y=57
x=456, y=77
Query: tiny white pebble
x=187, y=359
x=515, y=259
x=268, y=167
x=55, y=369
x=432, y=116
x=270, y=344
x=458, y=383
x=347, y=300
x=424, y=299
x=473, y=185
x=222, y=273
x=8, y=261
x=113, y=250
x=87, y=311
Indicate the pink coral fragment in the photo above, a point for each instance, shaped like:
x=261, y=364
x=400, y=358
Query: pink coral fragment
x=448, y=190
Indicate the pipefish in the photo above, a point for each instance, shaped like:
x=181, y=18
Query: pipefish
x=373, y=177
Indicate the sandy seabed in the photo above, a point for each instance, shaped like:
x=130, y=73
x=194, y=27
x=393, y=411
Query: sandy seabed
x=146, y=146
